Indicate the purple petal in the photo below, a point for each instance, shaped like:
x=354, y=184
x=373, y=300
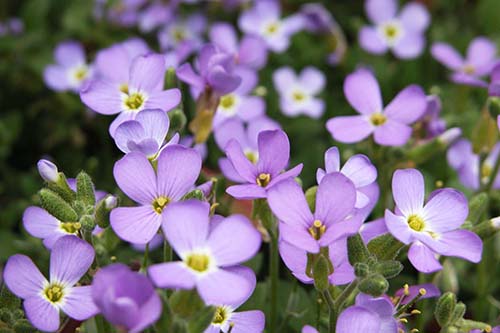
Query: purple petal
x=258, y=125
x=410, y=46
x=274, y=152
x=447, y=55
x=186, y=74
x=69, y=53
x=293, y=257
x=349, y=129
x=309, y=329
x=185, y=225
x=252, y=52
x=446, y=210
x=245, y=241
x=230, y=129
x=224, y=286
x=41, y=314
x=292, y=173
x=164, y=100
x=357, y=319
x=248, y=322
x=481, y=55
x=178, y=169
x=56, y=78
x=251, y=107
x=246, y=192
x=335, y=199
x=408, y=106
x=224, y=35
x=363, y=92
x=150, y=312
x=392, y=133
x=408, y=190
x=373, y=229
x=137, y=225
x=78, y=303
x=298, y=236
x=459, y=243
x=70, y=258
x=136, y=178
x=379, y=11
x=240, y=162
x=39, y=223
x=146, y=72
x=172, y=275
x=415, y=17
x=370, y=40
x=227, y=169
x=360, y=170
x=22, y=277
x=312, y=79
x=340, y=230
x=469, y=80
x=121, y=118
x=113, y=63
x=423, y=259
x=127, y=132
x=332, y=160
x=284, y=78
x=432, y=291
x=398, y=227
x=102, y=97
x=288, y=203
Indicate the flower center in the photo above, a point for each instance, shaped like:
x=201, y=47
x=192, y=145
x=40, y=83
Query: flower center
x=160, y=203
x=298, y=96
x=71, y=227
x=391, y=31
x=468, y=69
x=377, y=119
x=124, y=88
x=54, y=292
x=228, y=101
x=134, y=101
x=263, y=179
x=222, y=314
x=252, y=156
x=198, y=262
x=317, y=230
x=179, y=34
x=272, y=28
x=486, y=171
x=81, y=73
x=416, y=222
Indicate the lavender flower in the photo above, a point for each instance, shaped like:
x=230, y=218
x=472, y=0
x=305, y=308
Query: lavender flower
x=48, y=171
x=296, y=260
x=250, y=52
x=126, y=299
x=309, y=329
x=185, y=33
x=70, y=258
x=273, y=155
x=156, y=14
x=494, y=86
x=177, y=169
x=125, y=12
x=358, y=169
x=209, y=253
x=145, y=134
x=264, y=20
x=430, y=228
x=70, y=72
x=401, y=33
x=226, y=319
x=215, y=72
x=433, y=124
x=333, y=217
x=479, y=61
x=389, y=125
x=298, y=93
x=142, y=91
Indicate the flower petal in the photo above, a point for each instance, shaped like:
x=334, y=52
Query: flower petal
x=379, y=11
x=410, y=46
x=332, y=160
x=39, y=223
x=446, y=210
x=288, y=203
x=423, y=259
x=102, y=97
x=69, y=53
x=126, y=132
x=246, y=192
x=357, y=319
x=41, y=314
x=398, y=227
x=392, y=133
x=335, y=199
x=408, y=106
x=172, y=275
x=78, y=303
x=312, y=79
x=447, y=55
x=459, y=243
x=150, y=312
x=415, y=17
x=408, y=190
x=481, y=54
x=248, y=322
x=363, y=92
x=137, y=225
x=274, y=152
x=146, y=72
x=298, y=236
x=22, y=277
x=360, y=170
x=240, y=162
x=370, y=40
x=224, y=286
x=349, y=129
x=70, y=258
x=164, y=100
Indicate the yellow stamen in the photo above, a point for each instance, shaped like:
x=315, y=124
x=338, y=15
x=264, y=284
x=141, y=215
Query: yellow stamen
x=406, y=289
x=486, y=171
x=81, y=73
x=221, y=315
x=298, y=96
x=54, y=293
x=469, y=69
x=422, y=291
x=198, y=262
x=263, y=179
x=317, y=230
x=378, y=119
x=160, y=203
x=71, y=227
x=416, y=222
x=227, y=101
x=391, y=31
x=124, y=88
x=134, y=101
x=272, y=28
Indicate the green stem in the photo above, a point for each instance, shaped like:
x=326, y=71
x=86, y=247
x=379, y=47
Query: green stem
x=102, y=325
x=144, y=265
x=332, y=310
x=493, y=175
x=343, y=297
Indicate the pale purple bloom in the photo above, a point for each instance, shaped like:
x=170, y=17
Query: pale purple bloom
x=264, y=20
x=227, y=319
x=145, y=134
x=142, y=91
x=215, y=72
x=296, y=260
x=298, y=92
x=470, y=173
x=333, y=218
x=358, y=168
x=309, y=329
x=183, y=33
x=434, y=125
x=70, y=72
x=431, y=227
x=125, y=12
x=47, y=170
x=390, y=126
x=250, y=52
x=201, y=148
x=258, y=178
x=240, y=103
x=403, y=33
x=494, y=86
x=210, y=253
x=373, y=229
x=177, y=170
x=479, y=61
x=156, y=14
x=126, y=299
x=70, y=259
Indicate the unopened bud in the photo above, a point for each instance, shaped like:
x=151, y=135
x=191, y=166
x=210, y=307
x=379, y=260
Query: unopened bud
x=85, y=189
x=311, y=197
x=356, y=249
x=450, y=136
x=110, y=202
x=458, y=313
x=389, y=268
x=56, y=206
x=494, y=106
x=320, y=273
x=375, y=285
x=48, y=171
x=361, y=270
x=177, y=120
x=488, y=228
x=477, y=205
x=445, y=308
x=87, y=222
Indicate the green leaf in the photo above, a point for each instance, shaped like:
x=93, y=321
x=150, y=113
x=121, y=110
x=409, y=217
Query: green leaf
x=385, y=247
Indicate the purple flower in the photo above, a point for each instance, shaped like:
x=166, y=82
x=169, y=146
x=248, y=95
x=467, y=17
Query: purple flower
x=433, y=227
x=126, y=299
x=479, y=61
x=296, y=260
x=373, y=229
x=333, y=218
x=201, y=148
x=358, y=169
x=258, y=178
x=389, y=125
x=434, y=125
x=177, y=170
x=250, y=52
x=142, y=91
x=226, y=318
x=155, y=15
x=401, y=33
x=494, y=86
x=70, y=259
x=145, y=134
x=48, y=171
x=125, y=12
x=264, y=20
x=298, y=93
x=309, y=329
x=209, y=253
x=240, y=103
x=215, y=70
x=494, y=330
x=70, y=72
x=183, y=33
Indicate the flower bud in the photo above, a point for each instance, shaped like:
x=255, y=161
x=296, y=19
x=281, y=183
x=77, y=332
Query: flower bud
x=361, y=270
x=48, y=171
x=87, y=222
x=56, y=206
x=488, y=228
x=445, y=308
x=177, y=120
x=356, y=249
x=311, y=197
x=477, y=205
x=458, y=313
x=103, y=209
x=484, y=134
x=494, y=106
x=374, y=285
x=389, y=268
x=450, y=136
x=195, y=194
x=320, y=273
x=85, y=189
x=202, y=319
x=110, y=202
x=385, y=247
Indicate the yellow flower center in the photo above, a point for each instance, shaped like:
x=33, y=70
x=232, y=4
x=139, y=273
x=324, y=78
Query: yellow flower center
x=263, y=179
x=160, y=203
x=486, y=171
x=221, y=315
x=469, y=69
x=81, y=73
x=124, y=88
x=198, y=262
x=272, y=28
x=391, y=31
x=179, y=34
x=298, y=96
x=317, y=230
x=71, y=227
x=54, y=292
x=134, y=101
x=227, y=101
x=378, y=119
x=416, y=222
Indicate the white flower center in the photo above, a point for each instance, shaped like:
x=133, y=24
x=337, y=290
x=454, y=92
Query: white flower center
x=391, y=32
